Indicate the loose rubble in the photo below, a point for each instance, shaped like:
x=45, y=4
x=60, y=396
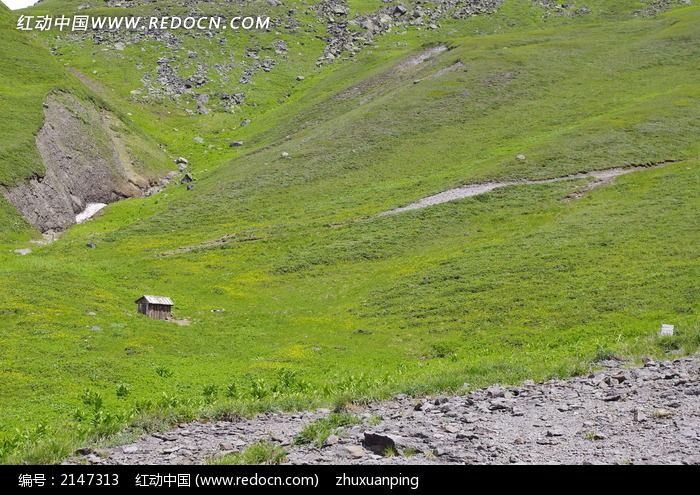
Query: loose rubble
x=618, y=415
x=183, y=76
x=656, y=7
x=347, y=36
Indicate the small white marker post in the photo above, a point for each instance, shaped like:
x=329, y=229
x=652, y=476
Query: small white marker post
x=666, y=330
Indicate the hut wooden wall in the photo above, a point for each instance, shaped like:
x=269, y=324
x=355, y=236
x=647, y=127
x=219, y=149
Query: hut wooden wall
x=159, y=311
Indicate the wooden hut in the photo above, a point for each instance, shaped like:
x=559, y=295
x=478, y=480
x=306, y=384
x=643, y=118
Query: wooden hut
x=156, y=307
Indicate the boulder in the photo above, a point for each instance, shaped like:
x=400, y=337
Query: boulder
x=399, y=10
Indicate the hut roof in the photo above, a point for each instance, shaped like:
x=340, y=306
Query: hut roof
x=157, y=300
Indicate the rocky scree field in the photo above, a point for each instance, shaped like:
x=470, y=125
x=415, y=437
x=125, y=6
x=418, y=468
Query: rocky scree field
x=298, y=293
x=616, y=416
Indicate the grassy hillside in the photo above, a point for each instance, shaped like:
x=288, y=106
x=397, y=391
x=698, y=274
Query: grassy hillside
x=298, y=294
x=27, y=73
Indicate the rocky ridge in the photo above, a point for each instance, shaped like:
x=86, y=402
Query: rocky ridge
x=618, y=415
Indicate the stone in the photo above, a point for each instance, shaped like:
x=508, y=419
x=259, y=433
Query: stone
x=368, y=25
x=198, y=139
x=284, y=154
x=495, y=391
x=638, y=415
x=613, y=397
x=202, y=101
x=521, y=157
x=385, y=19
x=300, y=78
x=379, y=443
x=236, y=144
x=23, y=251
x=339, y=9
x=501, y=404
x=517, y=411
x=619, y=377
x=181, y=161
x=355, y=451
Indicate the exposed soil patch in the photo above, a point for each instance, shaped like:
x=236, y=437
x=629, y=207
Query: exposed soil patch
x=401, y=69
x=600, y=178
x=420, y=57
x=619, y=415
x=458, y=65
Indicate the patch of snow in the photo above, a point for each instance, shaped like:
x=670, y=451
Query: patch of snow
x=90, y=210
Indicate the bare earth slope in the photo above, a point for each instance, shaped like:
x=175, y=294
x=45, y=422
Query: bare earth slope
x=619, y=415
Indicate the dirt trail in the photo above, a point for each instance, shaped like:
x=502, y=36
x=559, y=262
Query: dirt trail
x=600, y=177
x=618, y=415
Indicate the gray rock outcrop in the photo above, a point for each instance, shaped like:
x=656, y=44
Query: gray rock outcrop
x=85, y=161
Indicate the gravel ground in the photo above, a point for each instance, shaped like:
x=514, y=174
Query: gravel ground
x=618, y=415
x=600, y=178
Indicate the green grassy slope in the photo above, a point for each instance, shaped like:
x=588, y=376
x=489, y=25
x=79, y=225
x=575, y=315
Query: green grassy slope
x=298, y=294
x=27, y=73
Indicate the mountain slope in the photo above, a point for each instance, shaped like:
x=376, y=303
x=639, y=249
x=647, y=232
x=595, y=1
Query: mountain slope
x=297, y=292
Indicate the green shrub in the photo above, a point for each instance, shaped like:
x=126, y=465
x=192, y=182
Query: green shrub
x=319, y=430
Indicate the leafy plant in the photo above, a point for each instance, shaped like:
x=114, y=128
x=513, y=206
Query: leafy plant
x=163, y=372
x=122, y=391
x=258, y=453
x=210, y=392
x=318, y=431
x=443, y=350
